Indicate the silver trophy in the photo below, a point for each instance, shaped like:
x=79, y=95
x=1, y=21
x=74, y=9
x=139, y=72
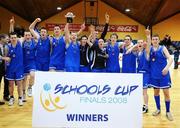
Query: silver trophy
x=69, y=17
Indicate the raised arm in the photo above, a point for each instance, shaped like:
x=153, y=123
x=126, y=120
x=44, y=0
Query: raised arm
x=32, y=26
x=148, y=36
x=134, y=48
x=89, y=40
x=11, y=23
x=82, y=29
x=105, y=27
x=67, y=34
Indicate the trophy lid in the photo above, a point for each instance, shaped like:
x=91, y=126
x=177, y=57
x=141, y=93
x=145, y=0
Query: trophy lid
x=70, y=15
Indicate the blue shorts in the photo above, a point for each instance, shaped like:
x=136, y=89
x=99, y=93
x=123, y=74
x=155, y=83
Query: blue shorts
x=42, y=66
x=98, y=70
x=163, y=83
x=29, y=67
x=85, y=69
x=15, y=75
x=72, y=69
x=146, y=80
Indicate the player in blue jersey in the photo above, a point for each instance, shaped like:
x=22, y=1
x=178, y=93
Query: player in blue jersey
x=43, y=47
x=112, y=50
x=72, y=59
x=29, y=49
x=128, y=60
x=57, y=58
x=15, y=70
x=143, y=61
x=160, y=77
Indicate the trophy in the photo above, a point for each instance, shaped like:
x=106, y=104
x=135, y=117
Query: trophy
x=69, y=17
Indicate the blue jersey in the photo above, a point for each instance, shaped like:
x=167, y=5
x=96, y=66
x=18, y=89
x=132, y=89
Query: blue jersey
x=29, y=49
x=16, y=55
x=43, y=50
x=158, y=62
x=73, y=56
x=128, y=62
x=143, y=63
x=57, y=58
x=112, y=64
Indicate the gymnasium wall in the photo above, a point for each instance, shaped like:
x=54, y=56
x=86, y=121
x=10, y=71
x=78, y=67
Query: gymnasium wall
x=171, y=26
x=116, y=18
x=5, y=16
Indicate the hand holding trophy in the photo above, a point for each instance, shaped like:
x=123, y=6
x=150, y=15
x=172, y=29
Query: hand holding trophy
x=69, y=17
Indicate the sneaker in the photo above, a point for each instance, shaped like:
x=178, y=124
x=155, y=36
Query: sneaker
x=2, y=103
x=11, y=101
x=157, y=112
x=145, y=109
x=169, y=116
x=6, y=98
x=20, y=102
x=24, y=98
x=29, y=91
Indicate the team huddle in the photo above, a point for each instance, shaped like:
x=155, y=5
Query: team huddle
x=37, y=51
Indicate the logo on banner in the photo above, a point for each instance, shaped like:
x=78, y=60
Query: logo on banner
x=49, y=103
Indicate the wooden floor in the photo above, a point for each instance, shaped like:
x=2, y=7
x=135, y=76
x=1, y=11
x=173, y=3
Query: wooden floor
x=21, y=117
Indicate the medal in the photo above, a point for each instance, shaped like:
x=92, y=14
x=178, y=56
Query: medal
x=28, y=52
x=14, y=55
x=153, y=59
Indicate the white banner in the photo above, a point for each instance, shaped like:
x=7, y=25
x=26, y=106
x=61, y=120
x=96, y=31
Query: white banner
x=87, y=100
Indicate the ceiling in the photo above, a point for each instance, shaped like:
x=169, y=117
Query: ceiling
x=146, y=12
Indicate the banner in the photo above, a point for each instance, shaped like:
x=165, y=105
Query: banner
x=100, y=28
x=87, y=100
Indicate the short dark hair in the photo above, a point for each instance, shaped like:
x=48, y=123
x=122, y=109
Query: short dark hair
x=155, y=35
x=13, y=33
x=26, y=31
x=128, y=36
x=83, y=36
x=3, y=36
x=56, y=25
x=43, y=28
x=114, y=34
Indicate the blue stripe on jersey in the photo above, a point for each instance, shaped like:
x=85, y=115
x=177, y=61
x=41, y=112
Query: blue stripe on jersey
x=58, y=53
x=112, y=64
x=128, y=62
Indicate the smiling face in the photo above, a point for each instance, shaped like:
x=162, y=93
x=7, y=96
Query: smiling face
x=83, y=40
x=5, y=39
x=13, y=38
x=100, y=43
x=127, y=40
x=73, y=36
x=57, y=31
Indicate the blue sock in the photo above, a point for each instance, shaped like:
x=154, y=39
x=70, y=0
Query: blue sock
x=157, y=100
x=167, y=106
